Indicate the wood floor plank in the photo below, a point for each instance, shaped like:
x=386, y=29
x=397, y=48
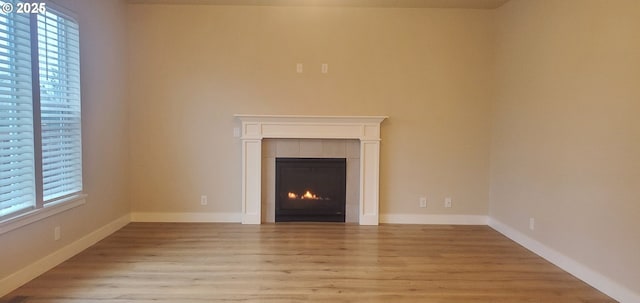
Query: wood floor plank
x=189, y=262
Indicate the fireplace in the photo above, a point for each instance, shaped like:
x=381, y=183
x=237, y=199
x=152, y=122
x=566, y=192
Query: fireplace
x=310, y=189
x=255, y=128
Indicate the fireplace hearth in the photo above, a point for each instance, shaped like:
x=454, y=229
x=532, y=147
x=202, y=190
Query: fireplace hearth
x=310, y=189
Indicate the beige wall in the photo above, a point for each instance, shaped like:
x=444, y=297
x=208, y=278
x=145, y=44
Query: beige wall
x=193, y=67
x=105, y=144
x=566, y=133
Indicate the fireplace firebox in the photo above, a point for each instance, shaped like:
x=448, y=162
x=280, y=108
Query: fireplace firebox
x=310, y=189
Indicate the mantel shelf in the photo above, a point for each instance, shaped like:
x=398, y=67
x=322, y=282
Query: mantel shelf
x=310, y=119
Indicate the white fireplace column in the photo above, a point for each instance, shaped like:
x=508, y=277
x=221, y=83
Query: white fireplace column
x=364, y=128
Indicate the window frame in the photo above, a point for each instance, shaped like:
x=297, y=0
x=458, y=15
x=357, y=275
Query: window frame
x=44, y=208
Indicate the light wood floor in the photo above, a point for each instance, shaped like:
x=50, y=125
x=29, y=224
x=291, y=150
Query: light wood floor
x=162, y=262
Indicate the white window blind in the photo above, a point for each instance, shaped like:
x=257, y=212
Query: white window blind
x=59, y=66
x=40, y=117
x=17, y=171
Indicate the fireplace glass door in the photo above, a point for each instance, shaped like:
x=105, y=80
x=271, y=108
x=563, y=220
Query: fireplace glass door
x=310, y=189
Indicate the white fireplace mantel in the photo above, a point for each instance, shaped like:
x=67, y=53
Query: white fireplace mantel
x=364, y=128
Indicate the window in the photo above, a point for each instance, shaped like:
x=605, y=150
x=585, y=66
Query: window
x=40, y=120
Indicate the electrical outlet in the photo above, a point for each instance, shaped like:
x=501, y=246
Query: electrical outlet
x=203, y=200
x=423, y=202
x=56, y=233
x=447, y=202
x=532, y=223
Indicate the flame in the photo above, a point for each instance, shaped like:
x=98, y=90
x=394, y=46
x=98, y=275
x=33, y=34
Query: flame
x=309, y=195
x=306, y=196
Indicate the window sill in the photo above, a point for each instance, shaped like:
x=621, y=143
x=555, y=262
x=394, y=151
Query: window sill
x=42, y=213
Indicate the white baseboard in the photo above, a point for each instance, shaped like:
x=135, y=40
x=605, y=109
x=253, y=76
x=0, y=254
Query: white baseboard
x=435, y=219
x=250, y=219
x=582, y=272
x=26, y=274
x=368, y=220
x=186, y=217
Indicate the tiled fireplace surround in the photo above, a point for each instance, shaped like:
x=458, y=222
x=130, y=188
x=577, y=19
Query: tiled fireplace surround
x=355, y=138
x=310, y=148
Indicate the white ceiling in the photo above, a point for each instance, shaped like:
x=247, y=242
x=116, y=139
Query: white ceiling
x=472, y=4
